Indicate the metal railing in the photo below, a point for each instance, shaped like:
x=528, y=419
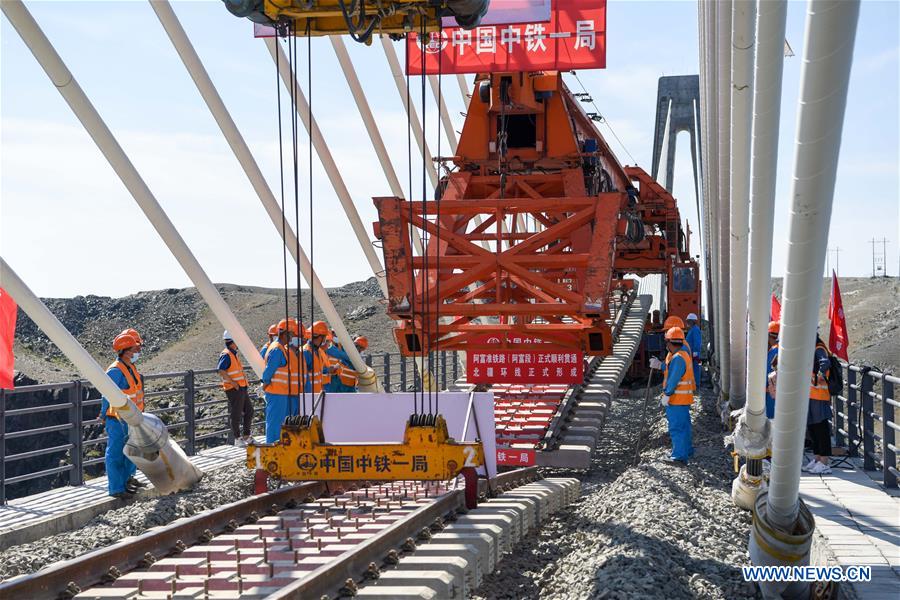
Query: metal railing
x=59, y=437
x=864, y=420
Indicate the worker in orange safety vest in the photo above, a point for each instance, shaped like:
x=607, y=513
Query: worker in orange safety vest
x=678, y=394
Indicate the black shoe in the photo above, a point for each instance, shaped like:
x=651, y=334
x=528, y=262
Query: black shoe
x=134, y=482
x=126, y=495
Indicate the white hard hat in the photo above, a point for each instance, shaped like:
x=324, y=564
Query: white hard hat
x=692, y=317
x=226, y=335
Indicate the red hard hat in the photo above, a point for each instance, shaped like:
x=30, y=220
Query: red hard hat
x=273, y=329
x=289, y=325
x=124, y=341
x=673, y=321
x=675, y=334
x=320, y=328
x=361, y=341
x=775, y=327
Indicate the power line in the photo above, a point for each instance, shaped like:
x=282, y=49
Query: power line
x=601, y=118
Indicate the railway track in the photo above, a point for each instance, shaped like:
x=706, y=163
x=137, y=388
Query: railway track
x=309, y=541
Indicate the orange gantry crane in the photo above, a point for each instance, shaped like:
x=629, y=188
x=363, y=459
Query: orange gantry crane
x=532, y=230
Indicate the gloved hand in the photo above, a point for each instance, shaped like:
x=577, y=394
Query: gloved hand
x=655, y=363
x=664, y=400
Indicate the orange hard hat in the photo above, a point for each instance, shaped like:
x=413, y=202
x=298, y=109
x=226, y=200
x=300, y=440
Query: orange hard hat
x=304, y=332
x=320, y=328
x=675, y=334
x=133, y=333
x=774, y=327
x=289, y=325
x=273, y=329
x=361, y=341
x=673, y=321
x=124, y=341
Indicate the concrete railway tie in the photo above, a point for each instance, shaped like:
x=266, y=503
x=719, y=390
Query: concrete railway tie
x=453, y=562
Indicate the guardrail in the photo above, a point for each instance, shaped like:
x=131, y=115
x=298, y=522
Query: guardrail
x=864, y=420
x=65, y=425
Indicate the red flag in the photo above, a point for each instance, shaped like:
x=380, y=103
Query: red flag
x=775, y=310
x=7, y=333
x=837, y=340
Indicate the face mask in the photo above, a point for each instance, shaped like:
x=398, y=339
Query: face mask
x=135, y=357
x=295, y=341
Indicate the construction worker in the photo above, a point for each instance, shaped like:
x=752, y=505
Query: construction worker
x=281, y=377
x=317, y=367
x=273, y=334
x=678, y=394
x=120, y=471
x=694, y=339
x=819, y=411
x=234, y=382
x=774, y=330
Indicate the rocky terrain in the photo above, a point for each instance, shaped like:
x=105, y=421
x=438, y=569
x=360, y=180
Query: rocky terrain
x=179, y=331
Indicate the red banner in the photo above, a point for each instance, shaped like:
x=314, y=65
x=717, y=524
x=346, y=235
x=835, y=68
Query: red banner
x=838, y=341
x=775, y=310
x=513, y=457
x=575, y=38
x=7, y=333
x=554, y=365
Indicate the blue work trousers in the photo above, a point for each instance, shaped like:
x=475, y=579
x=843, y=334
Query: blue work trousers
x=696, y=366
x=679, y=418
x=278, y=407
x=118, y=467
x=770, y=406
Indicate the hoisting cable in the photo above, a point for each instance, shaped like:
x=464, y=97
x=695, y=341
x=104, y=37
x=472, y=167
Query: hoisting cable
x=437, y=220
x=292, y=57
x=412, y=277
x=426, y=346
x=312, y=246
x=283, y=217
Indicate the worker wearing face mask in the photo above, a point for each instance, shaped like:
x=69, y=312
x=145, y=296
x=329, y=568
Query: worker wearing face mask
x=281, y=378
x=318, y=371
x=678, y=394
x=273, y=334
x=120, y=471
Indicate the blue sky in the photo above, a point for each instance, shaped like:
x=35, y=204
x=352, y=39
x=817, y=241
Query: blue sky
x=68, y=226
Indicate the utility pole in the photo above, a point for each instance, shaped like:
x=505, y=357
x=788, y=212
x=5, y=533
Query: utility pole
x=837, y=260
x=884, y=242
x=872, y=241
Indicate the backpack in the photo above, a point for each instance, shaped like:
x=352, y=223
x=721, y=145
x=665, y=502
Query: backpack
x=835, y=377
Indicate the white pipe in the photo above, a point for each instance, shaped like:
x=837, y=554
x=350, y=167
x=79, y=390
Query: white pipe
x=723, y=76
x=331, y=168
x=362, y=104
x=743, y=47
x=824, y=80
x=78, y=101
x=149, y=445
x=235, y=140
x=463, y=88
x=435, y=83
x=772, y=19
x=710, y=143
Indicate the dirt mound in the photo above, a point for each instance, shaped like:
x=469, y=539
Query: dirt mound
x=180, y=332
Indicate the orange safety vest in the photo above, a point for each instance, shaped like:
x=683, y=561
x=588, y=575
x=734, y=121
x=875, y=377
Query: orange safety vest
x=235, y=371
x=286, y=379
x=349, y=376
x=818, y=389
x=684, y=389
x=135, y=389
x=320, y=362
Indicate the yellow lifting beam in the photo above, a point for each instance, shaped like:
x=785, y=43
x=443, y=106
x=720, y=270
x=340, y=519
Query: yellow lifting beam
x=427, y=453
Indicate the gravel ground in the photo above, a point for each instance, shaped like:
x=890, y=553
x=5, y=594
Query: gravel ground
x=651, y=531
x=218, y=487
